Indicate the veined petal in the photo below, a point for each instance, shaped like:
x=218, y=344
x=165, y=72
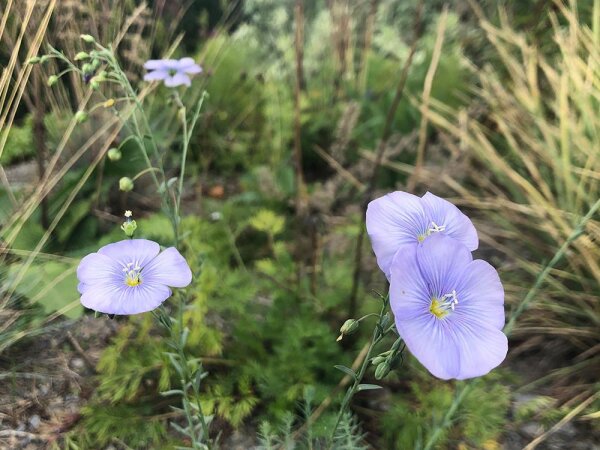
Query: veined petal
x=127, y=251
x=480, y=349
x=103, y=297
x=456, y=224
x=481, y=296
x=125, y=300
x=394, y=220
x=430, y=341
x=98, y=268
x=177, y=80
x=159, y=74
x=408, y=290
x=168, y=268
x=442, y=260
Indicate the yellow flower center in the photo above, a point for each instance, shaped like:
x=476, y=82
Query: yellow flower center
x=441, y=307
x=132, y=274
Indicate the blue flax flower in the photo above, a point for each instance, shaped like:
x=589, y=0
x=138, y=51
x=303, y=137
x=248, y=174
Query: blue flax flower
x=448, y=308
x=174, y=72
x=400, y=218
x=130, y=276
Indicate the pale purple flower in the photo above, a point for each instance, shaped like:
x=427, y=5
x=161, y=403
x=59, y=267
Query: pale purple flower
x=448, y=308
x=174, y=72
x=400, y=218
x=130, y=276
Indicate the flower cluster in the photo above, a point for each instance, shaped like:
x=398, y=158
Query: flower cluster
x=448, y=308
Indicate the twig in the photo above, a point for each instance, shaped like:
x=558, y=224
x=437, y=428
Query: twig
x=80, y=351
x=301, y=200
x=387, y=131
x=339, y=168
x=538, y=440
x=427, y=85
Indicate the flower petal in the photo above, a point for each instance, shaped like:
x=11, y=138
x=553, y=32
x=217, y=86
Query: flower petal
x=408, y=290
x=480, y=349
x=125, y=300
x=169, y=268
x=159, y=74
x=394, y=220
x=98, y=268
x=442, y=261
x=155, y=64
x=457, y=224
x=188, y=65
x=177, y=80
x=480, y=295
x=140, y=251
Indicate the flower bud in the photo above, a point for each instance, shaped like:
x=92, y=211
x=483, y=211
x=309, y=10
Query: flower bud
x=52, y=79
x=94, y=83
x=350, y=326
x=34, y=60
x=81, y=116
x=109, y=103
x=126, y=184
x=87, y=68
x=129, y=227
x=378, y=360
x=81, y=55
x=88, y=38
x=44, y=58
x=114, y=154
x=382, y=370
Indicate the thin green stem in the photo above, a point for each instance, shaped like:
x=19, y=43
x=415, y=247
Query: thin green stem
x=378, y=334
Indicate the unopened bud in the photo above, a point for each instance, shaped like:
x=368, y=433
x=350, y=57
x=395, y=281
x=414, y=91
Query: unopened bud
x=81, y=55
x=94, y=83
x=87, y=68
x=126, y=184
x=378, y=360
x=88, y=38
x=350, y=326
x=382, y=371
x=44, y=58
x=109, y=103
x=34, y=60
x=52, y=79
x=129, y=226
x=81, y=116
x=114, y=154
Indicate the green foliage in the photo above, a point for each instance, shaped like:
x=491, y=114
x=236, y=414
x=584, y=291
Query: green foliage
x=413, y=416
x=52, y=284
x=19, y=144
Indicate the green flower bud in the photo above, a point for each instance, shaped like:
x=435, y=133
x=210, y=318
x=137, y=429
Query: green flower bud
x=34, y=60
x=382, y=371
x=87, y=68
x=88, y=38
x=52, y=79
x=114, y=154
x=95, y=64
x=81, y=116
x=94, y=83
x=126, y=184
x=81, y=55
x=129, y=227
x=350, y=326
x=378, y=360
